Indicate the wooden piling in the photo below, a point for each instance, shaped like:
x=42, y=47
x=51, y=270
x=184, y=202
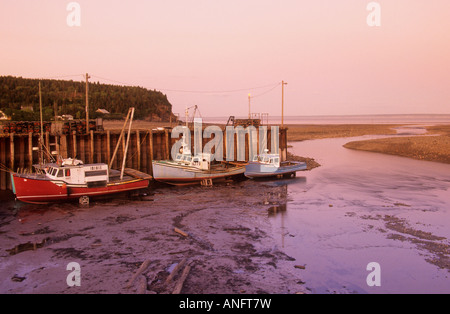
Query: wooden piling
x=167, y=148
x=3, y=174
x=21, y=152
x=11, y=152
x=82, y=149
x=63, y=146
x=16, y=150
x=74, y=143
x=30, y=152
x=108, y=146
x=150, y=155
x=47, y=140
x=91, y=150
x=138, y=148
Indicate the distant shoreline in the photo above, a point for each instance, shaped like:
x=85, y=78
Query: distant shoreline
x=430, y=148
x=351, y=119
x=435, y=148
x=303, y=132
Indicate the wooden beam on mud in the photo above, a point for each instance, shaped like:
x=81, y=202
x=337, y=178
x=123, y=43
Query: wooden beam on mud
x=179, y=231
x=180, y=283
x=139, y=272
x=175, y=271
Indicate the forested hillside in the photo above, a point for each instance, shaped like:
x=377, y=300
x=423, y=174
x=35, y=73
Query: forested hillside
x=19, y=99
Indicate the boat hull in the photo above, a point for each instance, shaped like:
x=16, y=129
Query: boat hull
x=175, y=174
x=38, y=189
x=259, y=170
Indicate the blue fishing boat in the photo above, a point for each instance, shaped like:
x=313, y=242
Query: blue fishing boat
x=270, y=165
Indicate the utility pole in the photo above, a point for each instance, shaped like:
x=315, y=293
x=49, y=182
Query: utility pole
x=282, y=102
x=249, y=111
x=87, y=103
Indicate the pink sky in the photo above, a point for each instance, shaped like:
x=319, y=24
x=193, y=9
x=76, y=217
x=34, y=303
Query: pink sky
x=333, y=61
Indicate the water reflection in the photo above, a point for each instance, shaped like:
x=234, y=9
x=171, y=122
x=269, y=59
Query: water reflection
x=362, y=207
x=277, y=209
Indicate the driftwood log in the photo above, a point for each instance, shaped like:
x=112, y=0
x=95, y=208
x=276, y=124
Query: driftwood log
x=141, y=269
x=180, y=283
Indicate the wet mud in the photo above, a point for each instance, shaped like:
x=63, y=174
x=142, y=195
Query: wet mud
x=229, y=245
x=315, y=233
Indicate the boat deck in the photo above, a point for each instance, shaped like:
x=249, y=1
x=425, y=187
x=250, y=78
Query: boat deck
x=129, y=174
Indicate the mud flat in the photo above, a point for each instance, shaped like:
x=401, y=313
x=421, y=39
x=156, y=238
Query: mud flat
x=225, y=240
x=299, y=132
x=430, y=148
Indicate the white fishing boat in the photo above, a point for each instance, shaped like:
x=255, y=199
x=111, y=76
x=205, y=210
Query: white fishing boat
x=270, y=165
x=186, y=169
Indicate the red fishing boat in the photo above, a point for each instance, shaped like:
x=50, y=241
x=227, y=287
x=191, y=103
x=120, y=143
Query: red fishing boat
x=71, y=179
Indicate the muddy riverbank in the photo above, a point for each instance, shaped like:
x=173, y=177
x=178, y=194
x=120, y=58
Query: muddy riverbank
x=229, y=245
x=312, y=234
x=431, y=148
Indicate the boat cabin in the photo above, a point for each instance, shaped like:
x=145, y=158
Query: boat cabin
x=200, y=161
x=268, y=159
x=78, y=173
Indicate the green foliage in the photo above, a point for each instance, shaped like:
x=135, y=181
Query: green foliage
x=69, y=97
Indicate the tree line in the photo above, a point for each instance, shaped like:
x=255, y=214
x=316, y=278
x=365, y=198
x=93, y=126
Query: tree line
x=19, y=99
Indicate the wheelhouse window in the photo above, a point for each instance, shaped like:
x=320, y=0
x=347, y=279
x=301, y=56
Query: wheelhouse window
x=60, y=173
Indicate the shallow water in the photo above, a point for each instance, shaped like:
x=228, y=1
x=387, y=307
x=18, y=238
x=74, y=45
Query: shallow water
x=362, y=207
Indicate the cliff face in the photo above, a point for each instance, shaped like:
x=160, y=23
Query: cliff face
x=68, y=97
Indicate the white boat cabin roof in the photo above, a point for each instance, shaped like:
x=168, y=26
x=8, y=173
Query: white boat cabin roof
x=200, y=161
x=269, y=159
x=74, y=171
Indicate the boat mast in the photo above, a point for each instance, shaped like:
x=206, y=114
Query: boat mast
x=41, y=139
x=126, y=146
x=119, y=141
